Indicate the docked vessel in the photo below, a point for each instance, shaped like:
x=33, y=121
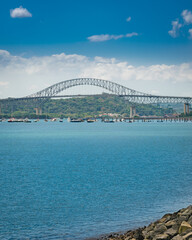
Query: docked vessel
x=90, y=120
x=76, y=120
x=26, y=120
x=109, y=121
x=53, y=119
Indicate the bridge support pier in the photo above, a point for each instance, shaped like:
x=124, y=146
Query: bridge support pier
x=38, y=111
x=132, y=112
x=186, y=108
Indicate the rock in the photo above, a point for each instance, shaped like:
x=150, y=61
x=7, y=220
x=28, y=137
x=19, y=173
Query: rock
x=150, y=227
x=171, y=232
x=188, y=236
x=160, y=228
x=187, y=211
x=165, y=218
x=171, y=224
x=150, y=235
x=184, y=226
x=178, y=237
x=176, y=226
x=190, y=220
x=182, y=218
x=162, y=237
x=138, y=234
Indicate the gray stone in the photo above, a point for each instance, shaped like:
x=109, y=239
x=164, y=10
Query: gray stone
x=160, y=228
x=170, y=223
x=184, y=227
x=178, y=237
x=190, y=220
x=150, y=235
x=148, y=229
x=182, y=218
x=171, y=232
x=186, y=232
x=165, y=218
x=188, y=236
x=161, y=237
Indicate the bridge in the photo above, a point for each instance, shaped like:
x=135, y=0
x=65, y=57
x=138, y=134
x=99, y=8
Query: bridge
x=131, y=95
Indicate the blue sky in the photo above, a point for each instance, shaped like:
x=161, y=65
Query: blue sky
x=139, y=32
x=63, y=26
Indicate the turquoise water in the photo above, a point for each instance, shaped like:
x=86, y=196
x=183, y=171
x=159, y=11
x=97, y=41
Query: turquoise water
x=77, y=180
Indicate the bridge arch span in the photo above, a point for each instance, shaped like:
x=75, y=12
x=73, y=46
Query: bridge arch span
x=109, y=85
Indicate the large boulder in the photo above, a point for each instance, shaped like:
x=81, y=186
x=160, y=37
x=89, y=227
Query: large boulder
x=161, y=237
x=160, y=228
x=187, y=236
x=172, y=224
x=184, y=227
x=177, y=237
x=171, y=232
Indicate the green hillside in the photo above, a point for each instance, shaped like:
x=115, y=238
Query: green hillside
x=84, y=107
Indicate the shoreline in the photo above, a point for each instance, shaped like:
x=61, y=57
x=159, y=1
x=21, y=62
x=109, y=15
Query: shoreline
x=176, y=226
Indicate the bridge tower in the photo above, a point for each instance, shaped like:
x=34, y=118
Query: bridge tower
x=38, y=111
x=132, y=111
x=186, y=108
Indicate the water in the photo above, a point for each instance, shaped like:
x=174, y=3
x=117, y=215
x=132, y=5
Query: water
x=78, y=180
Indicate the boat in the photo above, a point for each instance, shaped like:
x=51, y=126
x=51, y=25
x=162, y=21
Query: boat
x=61, y=120
x=14, y=120
x=109, y=121
x=26, y=120
x=90, y=120
x=76, y=120
x=53, y=119
x=11, y=120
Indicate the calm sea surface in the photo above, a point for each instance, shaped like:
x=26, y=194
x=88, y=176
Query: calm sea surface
x=77, y=180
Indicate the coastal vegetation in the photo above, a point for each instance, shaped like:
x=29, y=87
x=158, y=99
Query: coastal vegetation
x=83, y=107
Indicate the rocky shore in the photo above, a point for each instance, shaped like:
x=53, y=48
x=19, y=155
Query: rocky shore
x=176, y=226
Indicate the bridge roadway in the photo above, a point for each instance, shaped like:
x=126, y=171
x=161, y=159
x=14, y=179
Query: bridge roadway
x=131, y=98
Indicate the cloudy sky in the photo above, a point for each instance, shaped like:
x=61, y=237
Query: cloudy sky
x=143, y=44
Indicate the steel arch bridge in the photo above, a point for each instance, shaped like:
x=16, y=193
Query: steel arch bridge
x=129, y=94
x=117, y=89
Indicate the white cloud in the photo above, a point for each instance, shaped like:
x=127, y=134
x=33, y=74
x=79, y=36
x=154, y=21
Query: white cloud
x=4, y=53
x=174, y=32
x=20, y=13
x=23, y=76
x=107, y=37
x=187, y=16
x=176, y=26
x=190, y=33
x=4, y=83
x=103, y=37
x=128, y=35
x=128, y=19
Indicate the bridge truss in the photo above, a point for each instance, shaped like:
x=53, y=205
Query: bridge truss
x=129, y=94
